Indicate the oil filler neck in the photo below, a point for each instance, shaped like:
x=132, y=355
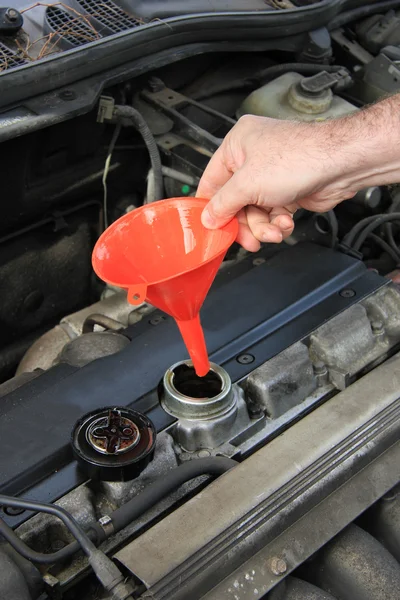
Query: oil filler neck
x=187, y=396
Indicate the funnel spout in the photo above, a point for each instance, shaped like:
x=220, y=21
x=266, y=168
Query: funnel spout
x=162, y=254
x=193, y=336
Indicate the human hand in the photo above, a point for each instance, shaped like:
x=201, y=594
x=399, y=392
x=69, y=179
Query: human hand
x=266, y=169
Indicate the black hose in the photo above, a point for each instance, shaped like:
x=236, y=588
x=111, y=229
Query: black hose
x=128, y=112
x=224, y=87
x=82, y=539
x=390, y=237
x=105, y=570
x=121, y=517
x=38, y=557
x=334, y=227
x=386, y=247
x=354, y=231
x=263, y=76
x=389, y=231
x=361, y=13
x=380, y=220
x=171, y=481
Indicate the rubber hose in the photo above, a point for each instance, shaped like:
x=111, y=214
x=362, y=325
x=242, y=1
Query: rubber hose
x=171, y=481
x=361, y=13
x=389, y=226
x=380, y=220
x=128, y=112
x=354, y=231
x=358, y=227
x=334, y=227
x=57, y=511
x=122, y=516
x=105, y=570
x=385, y=247
x=38, y=557
x=390, y=237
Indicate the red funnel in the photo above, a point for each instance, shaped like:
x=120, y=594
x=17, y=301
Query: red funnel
x=161, y=253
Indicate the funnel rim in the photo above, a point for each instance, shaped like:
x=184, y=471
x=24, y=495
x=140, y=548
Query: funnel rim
x=232, y=225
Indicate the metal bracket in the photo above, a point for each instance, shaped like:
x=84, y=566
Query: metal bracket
x=168, y=101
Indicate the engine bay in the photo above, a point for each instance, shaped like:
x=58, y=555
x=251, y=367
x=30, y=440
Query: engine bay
x=122, y=474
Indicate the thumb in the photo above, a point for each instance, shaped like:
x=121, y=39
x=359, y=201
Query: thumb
x=228, y=201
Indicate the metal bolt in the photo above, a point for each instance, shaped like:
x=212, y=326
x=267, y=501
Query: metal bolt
x=67, y=95
x=377, y=327
x=391, y=494
x=12, y=15
x=157, y=320
x=203, y=453
x=258, y=261
x=389, y=497
x=278, y=566
x=347, y=293
x=245, y=359
x=255, y=412
x=319, y=367
x=12, y=511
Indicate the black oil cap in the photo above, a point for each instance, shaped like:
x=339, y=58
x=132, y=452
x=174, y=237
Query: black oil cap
x=113, y=443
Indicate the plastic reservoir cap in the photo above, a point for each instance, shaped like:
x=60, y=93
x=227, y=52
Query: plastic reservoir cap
x=162, y=254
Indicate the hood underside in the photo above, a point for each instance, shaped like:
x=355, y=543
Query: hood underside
x=32, y=31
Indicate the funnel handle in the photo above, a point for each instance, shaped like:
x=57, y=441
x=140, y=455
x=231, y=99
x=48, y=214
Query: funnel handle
x=137, y=294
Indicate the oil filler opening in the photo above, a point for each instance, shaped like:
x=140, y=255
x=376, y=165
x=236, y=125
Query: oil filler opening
x=187, y=383
x=187, y=396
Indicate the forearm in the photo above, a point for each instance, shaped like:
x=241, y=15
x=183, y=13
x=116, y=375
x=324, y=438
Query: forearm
x=366, y=146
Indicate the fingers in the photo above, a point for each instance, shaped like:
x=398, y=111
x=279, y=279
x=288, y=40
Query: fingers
x=270, y=225
x=228, y=201
x=282, y=217
x=260, y=225
x=214, y=177
x=245, y=237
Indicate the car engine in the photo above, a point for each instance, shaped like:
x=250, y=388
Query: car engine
x=122, y=474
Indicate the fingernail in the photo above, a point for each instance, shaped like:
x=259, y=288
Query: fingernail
x=207, y=219
x=266, y=236
x=287, y=224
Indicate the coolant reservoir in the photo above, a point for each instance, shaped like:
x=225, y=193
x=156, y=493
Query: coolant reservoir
x=293, y=96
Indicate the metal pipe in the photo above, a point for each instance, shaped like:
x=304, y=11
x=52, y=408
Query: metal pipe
x=355, y=566
x=384, y=521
